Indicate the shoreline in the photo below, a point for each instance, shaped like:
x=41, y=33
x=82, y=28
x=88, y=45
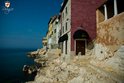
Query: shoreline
x=78, y=69
x=12, y=61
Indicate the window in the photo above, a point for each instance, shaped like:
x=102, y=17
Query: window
x=120, y=4
x=60, y=33
x=63, y=29
x=52, y=33
x=66, y=25
x=110, y=8
x=54, y=30
x=63, y=15
x=66, y=11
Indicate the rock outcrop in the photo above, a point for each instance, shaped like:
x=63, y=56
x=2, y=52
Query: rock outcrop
x=30, y=69
x=36, y=53
x=77, y=71
x=117, y=61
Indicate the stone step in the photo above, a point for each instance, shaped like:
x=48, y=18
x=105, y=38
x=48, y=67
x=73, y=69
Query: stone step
x=118, y=78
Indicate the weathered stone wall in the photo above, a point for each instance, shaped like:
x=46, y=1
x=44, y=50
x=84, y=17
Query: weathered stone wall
x=110, y=37
x=99, y=16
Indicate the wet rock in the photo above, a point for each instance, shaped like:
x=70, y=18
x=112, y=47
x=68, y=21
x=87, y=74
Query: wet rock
x=30, y=69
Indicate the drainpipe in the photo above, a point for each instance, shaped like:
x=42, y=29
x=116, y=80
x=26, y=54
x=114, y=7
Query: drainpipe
x=105, y=12
x=115, y=7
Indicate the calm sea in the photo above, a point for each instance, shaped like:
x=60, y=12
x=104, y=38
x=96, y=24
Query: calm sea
x=11, y=64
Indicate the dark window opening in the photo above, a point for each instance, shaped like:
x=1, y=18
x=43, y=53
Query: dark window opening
x=52, y=33
x=60, y=32
x=54, y=30
x=110, y=8
x=66, y=26
x=66, y=11
x=63, y=29
x=63, y=15
x=120, y=6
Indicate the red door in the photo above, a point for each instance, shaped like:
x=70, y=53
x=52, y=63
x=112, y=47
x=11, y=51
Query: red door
x=80, y=47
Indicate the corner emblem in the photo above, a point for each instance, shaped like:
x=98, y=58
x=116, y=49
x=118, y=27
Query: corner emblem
x=7, y=4
x=6, y=9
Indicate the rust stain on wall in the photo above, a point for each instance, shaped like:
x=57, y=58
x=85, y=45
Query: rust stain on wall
x=109, y=32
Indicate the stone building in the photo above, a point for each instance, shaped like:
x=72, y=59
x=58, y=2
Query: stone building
x=110, y=28
x=91, y=27
x=50, y=33
x=80, y=24
x=53, y=32
x=44, y=42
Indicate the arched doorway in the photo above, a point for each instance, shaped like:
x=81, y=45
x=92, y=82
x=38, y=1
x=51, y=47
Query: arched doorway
x=80, y=38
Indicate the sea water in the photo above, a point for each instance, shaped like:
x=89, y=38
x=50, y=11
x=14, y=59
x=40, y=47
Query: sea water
x=11, y=65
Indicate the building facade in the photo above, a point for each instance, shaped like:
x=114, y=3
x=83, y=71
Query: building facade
x=76, y=28
x=79, y=22
x=49, y=34
x=78, y=25
x=65, y=33
x=44, y=42
x=52, y=35
x=110, y=28
x=55, y=31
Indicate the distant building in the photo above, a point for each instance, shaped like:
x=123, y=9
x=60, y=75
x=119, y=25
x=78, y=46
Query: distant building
x=49, y=34
x=53, y=32
x=44, y=42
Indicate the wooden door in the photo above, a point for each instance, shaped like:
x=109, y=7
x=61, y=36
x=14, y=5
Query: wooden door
x=80, y=47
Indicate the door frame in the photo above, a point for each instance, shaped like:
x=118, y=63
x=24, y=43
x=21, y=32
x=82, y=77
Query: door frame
x=75, y=45
x=66, y=46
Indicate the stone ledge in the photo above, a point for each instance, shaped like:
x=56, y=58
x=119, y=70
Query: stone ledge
x=115, y=77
